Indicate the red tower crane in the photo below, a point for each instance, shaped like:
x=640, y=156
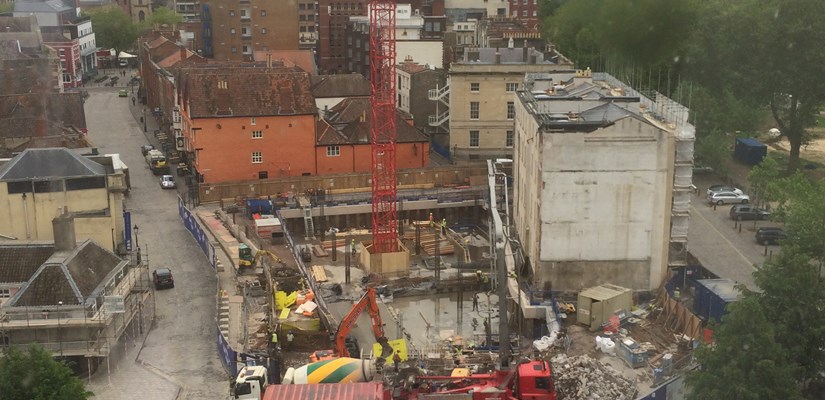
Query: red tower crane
x=382, y=128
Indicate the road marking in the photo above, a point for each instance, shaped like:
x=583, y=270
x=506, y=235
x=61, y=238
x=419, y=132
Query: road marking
x=751, y=263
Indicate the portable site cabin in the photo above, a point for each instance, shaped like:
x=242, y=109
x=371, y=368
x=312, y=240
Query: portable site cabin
x=713, y=296
x=597, y=304
x=750, y=151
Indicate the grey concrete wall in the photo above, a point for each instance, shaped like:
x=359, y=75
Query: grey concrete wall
x=575, y=275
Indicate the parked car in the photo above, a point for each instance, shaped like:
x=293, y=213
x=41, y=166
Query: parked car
x=769, y=235
x=167, y=182
x=744, y=211
x=123, y=63
x=162, y=278
x=724, y=188
x=123, y=93
x=728, y=198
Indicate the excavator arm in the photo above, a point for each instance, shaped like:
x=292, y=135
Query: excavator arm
x=369, y=303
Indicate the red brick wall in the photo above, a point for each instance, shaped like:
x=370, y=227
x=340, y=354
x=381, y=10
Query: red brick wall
x=358, y=158
x=225, y=154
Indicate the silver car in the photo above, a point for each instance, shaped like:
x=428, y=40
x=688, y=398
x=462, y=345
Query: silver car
x=728, y=198
x=167, y=182
x=724, y=188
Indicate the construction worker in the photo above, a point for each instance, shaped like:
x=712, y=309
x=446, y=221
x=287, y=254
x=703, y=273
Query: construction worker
x=677, y=294
x=475, y=301
x=289, y=337
x=432, y=222
x=443, y=225
x=396, y=358
x=352, y=243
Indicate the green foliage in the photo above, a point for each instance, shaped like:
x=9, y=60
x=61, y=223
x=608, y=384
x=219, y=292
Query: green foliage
x=766, y=52
x=572, y=30
x=792, y=294
x=712, y=149
x=746, y=362
x=805, y=215
x=163, y=16
x=35, y=375
x=6, y=7
x=762, y=177
x=719, y=109
x=549, y=7
x=113, y=28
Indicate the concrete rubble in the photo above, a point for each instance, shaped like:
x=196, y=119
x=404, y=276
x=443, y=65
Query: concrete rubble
x=584, y=378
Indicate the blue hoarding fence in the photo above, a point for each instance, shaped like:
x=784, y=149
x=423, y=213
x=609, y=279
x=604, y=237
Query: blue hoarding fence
x=191, y=224
x=441, y=150
x=228, y=356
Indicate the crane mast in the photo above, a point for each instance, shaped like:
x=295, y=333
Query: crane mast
x=383, y=126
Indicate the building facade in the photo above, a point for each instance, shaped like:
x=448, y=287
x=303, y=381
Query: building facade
x=602, y=182
x=68, y=52
x=481, y=96
x=413, y=83
x=40, y=184
x=308, y=24
x=245, y=123
x=344, y=143
x=416, y=36
x=526, y=11
x=333, y=17
x=235, y=29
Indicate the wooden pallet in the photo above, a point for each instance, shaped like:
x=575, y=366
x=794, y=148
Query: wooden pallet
x=318, y=273
x=319, y=251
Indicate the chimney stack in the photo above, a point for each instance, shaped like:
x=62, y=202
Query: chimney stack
x=498, y=56
x=182, y=52
x=532, y=56
x=64, y=234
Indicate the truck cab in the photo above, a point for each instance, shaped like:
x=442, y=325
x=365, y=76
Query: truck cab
x=157, y=162
x=250, y=383
x=535, y=381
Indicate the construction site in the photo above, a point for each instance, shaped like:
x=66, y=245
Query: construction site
x=414, y=285
x=306, y=273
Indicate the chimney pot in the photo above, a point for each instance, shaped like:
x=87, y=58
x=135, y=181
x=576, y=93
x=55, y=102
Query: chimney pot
x=64, y=234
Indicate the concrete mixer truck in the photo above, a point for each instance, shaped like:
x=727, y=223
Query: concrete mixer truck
x=251, y=382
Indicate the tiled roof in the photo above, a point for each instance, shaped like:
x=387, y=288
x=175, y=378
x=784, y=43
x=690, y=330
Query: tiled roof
x=19, y=262
x=348, y=122
x=40, y=6
x=303, y=59
x=49, y=162
x=34, y=115
x=68, y=276
x=163, y=51
x=344, y=85
x=246, y=91
x=66, y=109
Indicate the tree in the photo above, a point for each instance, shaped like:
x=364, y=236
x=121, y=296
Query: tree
x=792, y=294
x=713, y=149
x=762, y=176
x=163, y=16
x=746, y=362
x=767, y=51
x=36, y=375
x=113, y=29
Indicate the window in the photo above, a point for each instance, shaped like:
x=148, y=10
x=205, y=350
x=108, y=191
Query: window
x=511, y=87
x=263, y=174
x=473, y=138
x=511, y=110
x=263, y=31
x=263, y=13
x=257, y=134
x=245, y=49
x=509, y=140
x=252, y=121
x=231, y=13
x=243, y=13
x=234, y=49
x=257, y=157
x=333, y=151
x=524, y=13
x=535, y=13
x=5, y=293
x=474, y=86
x=473, y=110
x=232, y=31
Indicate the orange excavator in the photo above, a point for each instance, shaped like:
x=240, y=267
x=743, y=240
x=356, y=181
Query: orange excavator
x=367, y=302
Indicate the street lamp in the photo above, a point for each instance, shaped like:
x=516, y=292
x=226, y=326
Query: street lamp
x=59, y=331
x=137, y=243
x=144, y=121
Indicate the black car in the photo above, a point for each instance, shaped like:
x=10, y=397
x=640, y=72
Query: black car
x=769, y=235
x=741, y=212
x=162, y=277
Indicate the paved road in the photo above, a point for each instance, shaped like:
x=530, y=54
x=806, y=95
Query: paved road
x=720, y=247
x=179, y=358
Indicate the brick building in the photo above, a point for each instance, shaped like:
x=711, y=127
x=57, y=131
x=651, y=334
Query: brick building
x=333, y=17
x=239, y=27
x=68, y=52
x=307, y=24
x=414, y=81
x=526, y=11
x=343, y=140
x=243, y=123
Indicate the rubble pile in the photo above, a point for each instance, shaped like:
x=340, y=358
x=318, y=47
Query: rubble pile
x=584, y=378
